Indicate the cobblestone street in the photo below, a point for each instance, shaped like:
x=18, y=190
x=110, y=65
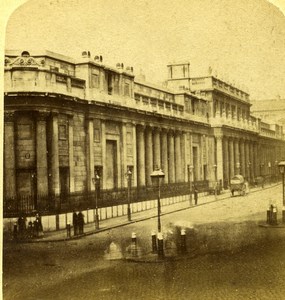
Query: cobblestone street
x=76, y=269
x=254, y=273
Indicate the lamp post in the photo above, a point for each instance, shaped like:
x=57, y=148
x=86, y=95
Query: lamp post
x=216, y=183
x=156, y=177
x=269, y=171
x=129, y=176
x=96, y=182
x=190, y=169
x=281, y=166
x=276, y=170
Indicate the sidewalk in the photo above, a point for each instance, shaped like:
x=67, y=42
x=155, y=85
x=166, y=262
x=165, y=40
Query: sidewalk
x=107, y=224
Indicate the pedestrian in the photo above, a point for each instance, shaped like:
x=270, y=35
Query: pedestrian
x=80, y=222
x=195, y=194
x=36, y=228
x=75, y=223
x=39, y=224
x=30, y=229
x=22, y=225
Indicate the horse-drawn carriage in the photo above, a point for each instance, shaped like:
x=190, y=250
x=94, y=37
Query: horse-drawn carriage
x=238, y=184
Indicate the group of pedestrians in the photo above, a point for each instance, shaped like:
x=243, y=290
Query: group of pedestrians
x=34, y=228
x=78, y=223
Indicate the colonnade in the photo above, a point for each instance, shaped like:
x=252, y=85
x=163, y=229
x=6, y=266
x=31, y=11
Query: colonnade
x=164, y=148
x=240, y=157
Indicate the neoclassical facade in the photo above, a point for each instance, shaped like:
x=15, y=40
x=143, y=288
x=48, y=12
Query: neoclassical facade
x=67, y=120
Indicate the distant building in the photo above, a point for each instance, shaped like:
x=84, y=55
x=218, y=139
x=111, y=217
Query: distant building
x=67, y=120
x=270, y=110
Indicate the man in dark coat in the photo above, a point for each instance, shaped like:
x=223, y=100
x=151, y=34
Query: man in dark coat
x=22, y=225
x=80, y=222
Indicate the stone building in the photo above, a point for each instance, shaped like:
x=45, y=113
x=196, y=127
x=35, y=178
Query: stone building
x=67, y=120
x=271, y=111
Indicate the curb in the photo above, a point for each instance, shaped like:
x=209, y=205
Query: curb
x=140, y=220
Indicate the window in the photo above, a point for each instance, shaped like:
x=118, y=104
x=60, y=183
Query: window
x=94, y=80
x=127, y=89
x=96, y=135
x=116, y=85
x=62, y=132
x=24, y=131
x=109, y=80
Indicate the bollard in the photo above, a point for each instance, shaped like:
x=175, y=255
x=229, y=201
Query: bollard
x=283, y=214
x=268, y=216
x=274, y=215
x=134, y=251
x=15, y=231
x=271, y=214
x=153, y=241
x=134, y=238
x=183, y=241
x=68, y=230
x=160, y=251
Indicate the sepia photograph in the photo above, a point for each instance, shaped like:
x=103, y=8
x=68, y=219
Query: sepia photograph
x=143, y=146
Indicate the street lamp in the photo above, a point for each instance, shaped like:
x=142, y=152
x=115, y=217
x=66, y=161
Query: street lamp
x=96, y=182
x=276, y=170
x=281, y=166
x=190, y=169
x=156, y=177
x=216, y=183
x=129, y=175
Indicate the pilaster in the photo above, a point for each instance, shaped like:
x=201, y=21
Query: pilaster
x=9, y=155
x=41, y=148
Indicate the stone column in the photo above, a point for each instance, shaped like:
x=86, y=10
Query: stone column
x=242, y=158
x=90, y=154
x=134, y=178
x=256, y=161
x=103, y=128
x=184, y=149
x=55, y=157
x=41, y=148
x=164, y=156
x=171, y=163
x=71, y=154
x=124, y=154
x=252, y=163
x=247, y=160
x=156, y=148
x=226, y=162
x=141, y=155
x=9, y=156
x=148, y=155
x=219, y=145
x=177, y=147
x=231, y=159
x=237, y=158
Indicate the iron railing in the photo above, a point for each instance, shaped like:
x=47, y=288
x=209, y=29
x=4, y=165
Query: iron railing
x=54, y=204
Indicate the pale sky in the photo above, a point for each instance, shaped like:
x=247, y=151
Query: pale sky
x=243, y=41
